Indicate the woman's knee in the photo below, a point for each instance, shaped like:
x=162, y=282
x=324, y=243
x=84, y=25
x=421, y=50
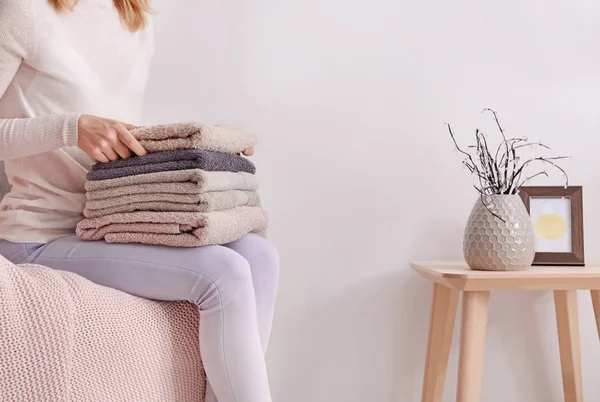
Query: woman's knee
x=260, y=253
x=268, y=260
x=228, y=275
x=267, y=252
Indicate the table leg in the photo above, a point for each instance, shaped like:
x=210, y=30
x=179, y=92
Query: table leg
x=596, y=304
x=441, y=325
x=472, y=345
x=568, y=338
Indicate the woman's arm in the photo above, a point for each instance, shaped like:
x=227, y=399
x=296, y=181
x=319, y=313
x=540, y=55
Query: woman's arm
x=28, y=136
x=25, y=137
x=102, y=139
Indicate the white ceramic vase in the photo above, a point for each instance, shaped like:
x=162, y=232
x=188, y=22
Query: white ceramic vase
x=505, y=242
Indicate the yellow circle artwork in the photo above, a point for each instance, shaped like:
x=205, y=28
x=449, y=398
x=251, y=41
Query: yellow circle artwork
x=551, y=226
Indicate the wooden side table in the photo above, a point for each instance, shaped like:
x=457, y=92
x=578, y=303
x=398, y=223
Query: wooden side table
x=450, y=278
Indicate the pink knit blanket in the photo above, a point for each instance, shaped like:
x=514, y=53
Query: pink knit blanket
x=63, y=338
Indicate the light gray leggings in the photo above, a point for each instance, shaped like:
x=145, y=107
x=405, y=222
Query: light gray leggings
x=234, y=287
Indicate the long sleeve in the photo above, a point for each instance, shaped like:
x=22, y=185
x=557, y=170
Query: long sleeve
x=54, y=67
x=26, y=136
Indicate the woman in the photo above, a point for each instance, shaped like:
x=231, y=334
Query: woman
x=61, y=66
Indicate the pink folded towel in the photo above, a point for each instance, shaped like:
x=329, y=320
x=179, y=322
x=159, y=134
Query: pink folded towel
x=165, y=137
x=191, y=181
x=176, y=229
x=203, y=202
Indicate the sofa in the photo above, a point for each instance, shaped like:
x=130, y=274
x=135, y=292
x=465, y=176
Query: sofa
x=63, y=339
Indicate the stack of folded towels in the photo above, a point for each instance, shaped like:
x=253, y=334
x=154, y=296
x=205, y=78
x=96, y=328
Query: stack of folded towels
x=192, y=189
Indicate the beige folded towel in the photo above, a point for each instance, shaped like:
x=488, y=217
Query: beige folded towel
x=165, y=137
x=191, y=181
x=215, y=199
x=204, y=202
x=150, y=188
x=177, y=229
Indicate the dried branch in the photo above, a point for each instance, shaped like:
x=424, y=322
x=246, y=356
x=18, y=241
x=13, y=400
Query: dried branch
x=529, y=144
x=490, y=163
x=501, y=145
x=457, y=147
x=503, y=140
x=543, y=160
x=497, y=122
x=501, y=173
x=544, y=173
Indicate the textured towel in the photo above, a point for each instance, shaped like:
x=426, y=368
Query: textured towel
x=166, y=188
x=164, y=137
x=66, y=339
x=205, y=202
x=197, y=159
x=216, y=159
x=154, y=228
x=191, y=229
x=176, y=181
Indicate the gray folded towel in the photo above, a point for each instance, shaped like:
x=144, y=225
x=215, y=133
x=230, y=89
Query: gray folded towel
x=207, y=157
x=169, y=161
x=228, y=139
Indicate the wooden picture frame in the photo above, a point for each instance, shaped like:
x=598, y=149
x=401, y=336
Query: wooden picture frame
x=576, y=255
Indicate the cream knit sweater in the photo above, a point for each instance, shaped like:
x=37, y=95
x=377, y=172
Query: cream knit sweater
x=54, y=67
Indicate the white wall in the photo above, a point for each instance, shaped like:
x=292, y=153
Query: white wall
x=360, y=177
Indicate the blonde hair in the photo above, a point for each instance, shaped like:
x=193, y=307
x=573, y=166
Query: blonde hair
x=132, y=12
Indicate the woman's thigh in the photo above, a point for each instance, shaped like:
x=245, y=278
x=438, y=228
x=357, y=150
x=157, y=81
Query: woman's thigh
x=153, y=272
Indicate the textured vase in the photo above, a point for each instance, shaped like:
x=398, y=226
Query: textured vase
x=494, y=244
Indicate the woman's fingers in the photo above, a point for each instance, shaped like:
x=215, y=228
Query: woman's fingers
x=249, y=152
x=129, y=126
x=98, y=156
x=106, y=140
x=129, y=140
x=116, y=144
x=122, y=150
x=109, y=152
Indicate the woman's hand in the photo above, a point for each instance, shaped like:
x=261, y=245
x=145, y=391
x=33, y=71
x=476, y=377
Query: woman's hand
x=107, y=140
x=249, y=152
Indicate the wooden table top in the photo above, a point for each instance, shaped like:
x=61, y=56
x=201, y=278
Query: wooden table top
x=458, y=275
